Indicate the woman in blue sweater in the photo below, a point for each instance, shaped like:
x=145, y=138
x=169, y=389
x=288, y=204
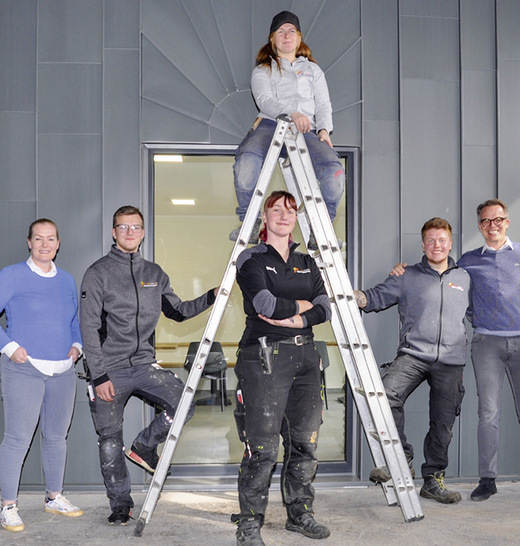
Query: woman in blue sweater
x=39, y=347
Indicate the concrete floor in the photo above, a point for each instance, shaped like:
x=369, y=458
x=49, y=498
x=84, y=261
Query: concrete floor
x=355, y=515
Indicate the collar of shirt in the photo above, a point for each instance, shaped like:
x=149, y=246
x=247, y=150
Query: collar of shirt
x=33, y=267
x=507, y=244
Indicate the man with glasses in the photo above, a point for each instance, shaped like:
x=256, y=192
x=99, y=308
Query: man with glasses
x=432, y=297
x=495, y=349
x=122, y=296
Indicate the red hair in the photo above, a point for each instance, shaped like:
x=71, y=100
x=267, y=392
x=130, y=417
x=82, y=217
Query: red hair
x=288, y=200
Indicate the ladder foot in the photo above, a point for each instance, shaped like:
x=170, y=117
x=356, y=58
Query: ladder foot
x=139, y=526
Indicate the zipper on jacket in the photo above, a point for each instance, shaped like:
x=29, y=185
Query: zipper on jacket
x=137, y=308
x=440, y=318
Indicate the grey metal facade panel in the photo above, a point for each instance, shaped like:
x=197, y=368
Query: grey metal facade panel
x=508, y=128
x=18, y=56
x=176, y=53
x=479, y=175
x=381, y=137
x=430, y=151
x=165, y=84
x=15, y=218
x=341, y=20
x=479, y=107
x=477, y=34
x=160, y=124
x=380, y=60
x=70, y=192
x=70, y=30
x=231, y=121
x=121, y=128
x=224, y=29
x=379, y=216
x=69, y=98
x=17, y=156
x=344, y=80
x=429, y=8
x=429, y=48
x=508, y=37
x=122, y=21
x=347, y=126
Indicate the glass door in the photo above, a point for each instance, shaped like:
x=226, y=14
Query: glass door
x=194, y=212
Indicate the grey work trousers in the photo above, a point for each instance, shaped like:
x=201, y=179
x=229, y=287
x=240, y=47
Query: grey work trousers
x=493, y=357
x=154, y=384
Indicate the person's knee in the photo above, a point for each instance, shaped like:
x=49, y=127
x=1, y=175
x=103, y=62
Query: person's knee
x=246, y=170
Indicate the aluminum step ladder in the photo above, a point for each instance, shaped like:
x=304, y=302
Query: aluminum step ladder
x=360, y=365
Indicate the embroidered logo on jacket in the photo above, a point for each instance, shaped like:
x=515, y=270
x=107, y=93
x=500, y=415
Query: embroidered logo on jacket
x=267, y=268
x=298, y=270
x=148, y=284
x=456, y=286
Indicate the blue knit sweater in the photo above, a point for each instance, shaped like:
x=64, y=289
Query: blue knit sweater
x=495, y=290
x=41, y=311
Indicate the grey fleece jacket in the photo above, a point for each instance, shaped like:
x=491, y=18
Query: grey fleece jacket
x=122, y=296
x=432, y=308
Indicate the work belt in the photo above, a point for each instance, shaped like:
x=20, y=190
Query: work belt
x=296, y=340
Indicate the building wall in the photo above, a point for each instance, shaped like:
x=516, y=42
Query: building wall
x=427, y=90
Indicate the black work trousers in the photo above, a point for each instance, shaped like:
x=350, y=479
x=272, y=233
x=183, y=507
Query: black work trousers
x=287, y=401
x=400, y=378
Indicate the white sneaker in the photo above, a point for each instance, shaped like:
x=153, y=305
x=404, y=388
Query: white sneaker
x=9, y=518
x=60, y=505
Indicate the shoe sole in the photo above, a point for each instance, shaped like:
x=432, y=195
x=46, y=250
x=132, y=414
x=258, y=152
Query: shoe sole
x=443, y=500
x=75, y=514
x=132, y=455
x=14, y=528
x=481, y=498
x=297, y=529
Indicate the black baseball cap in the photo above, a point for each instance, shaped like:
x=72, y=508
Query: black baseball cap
x=284, y=17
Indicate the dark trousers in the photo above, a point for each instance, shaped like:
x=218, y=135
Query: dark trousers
x=400, y=378
x=287, y=402
x=156, y=385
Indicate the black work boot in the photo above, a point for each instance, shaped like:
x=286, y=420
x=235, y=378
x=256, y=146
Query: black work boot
x=308, y=526
x=486, y=487
x=435, y=488
x=248, y=532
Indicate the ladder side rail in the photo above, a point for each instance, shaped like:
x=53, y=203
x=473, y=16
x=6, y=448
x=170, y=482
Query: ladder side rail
x=364, y=412
x=359, y=345
x=211, y=328
x=268, y=166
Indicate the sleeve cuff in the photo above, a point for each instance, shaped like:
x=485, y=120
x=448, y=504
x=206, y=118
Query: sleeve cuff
x=10, y=348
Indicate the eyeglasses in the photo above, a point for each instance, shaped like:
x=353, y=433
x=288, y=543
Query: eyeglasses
x=486, y=222
x=123, y=228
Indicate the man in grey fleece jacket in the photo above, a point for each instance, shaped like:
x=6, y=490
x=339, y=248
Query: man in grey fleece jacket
x=122, y=296
x=432, y=297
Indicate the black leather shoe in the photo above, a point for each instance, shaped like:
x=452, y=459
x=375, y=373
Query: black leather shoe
x=484, y=490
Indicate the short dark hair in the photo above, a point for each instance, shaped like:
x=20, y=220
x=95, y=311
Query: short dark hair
x=492, y=203
x=42, y=221
x=126, y=210
x=436, y=223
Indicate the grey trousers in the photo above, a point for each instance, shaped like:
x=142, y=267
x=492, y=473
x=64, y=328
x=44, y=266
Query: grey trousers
x=493, y=357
